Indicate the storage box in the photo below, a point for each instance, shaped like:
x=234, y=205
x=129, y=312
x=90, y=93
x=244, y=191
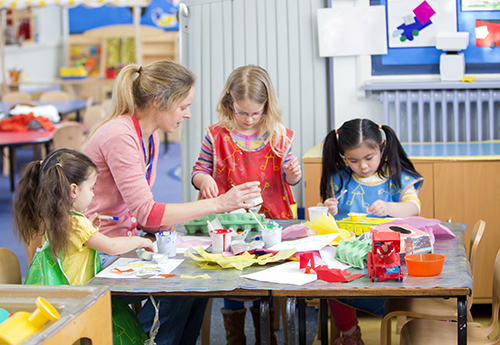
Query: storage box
x=362, y=226
x=413, y=240
x=85, y=312
x=235, y=221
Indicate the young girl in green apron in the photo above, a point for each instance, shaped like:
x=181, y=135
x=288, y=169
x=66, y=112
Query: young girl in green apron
x=52, y=196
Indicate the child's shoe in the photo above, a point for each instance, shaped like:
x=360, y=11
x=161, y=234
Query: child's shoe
x=353, y=339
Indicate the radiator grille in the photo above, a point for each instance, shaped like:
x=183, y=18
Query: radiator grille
x=443, y=115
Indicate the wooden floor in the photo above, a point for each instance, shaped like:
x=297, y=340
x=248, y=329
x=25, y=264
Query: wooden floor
x=370, y=325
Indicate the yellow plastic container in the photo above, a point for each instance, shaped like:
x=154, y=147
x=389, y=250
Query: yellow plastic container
x=22, y=325
x=360, y=226
x=73, y=72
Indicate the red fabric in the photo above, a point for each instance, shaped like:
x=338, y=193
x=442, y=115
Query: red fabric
x=344, y=316
x=234, y=166
x=19, y=123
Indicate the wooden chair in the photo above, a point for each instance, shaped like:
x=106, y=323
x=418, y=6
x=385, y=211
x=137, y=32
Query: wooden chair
x=430, y=332
x=10, y=271
x=69, y=135
x=55, y=95
x=106, y=105
x=431, y=308
x=93, y=116
x=16, y=96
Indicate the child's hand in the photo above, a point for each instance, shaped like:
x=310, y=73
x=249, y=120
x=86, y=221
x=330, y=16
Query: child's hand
x=293, y=171
x=333, y=206
x=94, y=219
x=147, y=244
x=208, y=188
x=378, y=208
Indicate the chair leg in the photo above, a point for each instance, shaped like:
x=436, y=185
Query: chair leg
x=385, y=330
x=400, y=323
x=276, y=304
x=205, y=326
x=334, y=331
x=136, y=307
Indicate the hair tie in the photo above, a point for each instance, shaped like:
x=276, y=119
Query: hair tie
x=59, y=164
x=139, y=70
x=379, y=126
x=336, y=131
x=41, y=162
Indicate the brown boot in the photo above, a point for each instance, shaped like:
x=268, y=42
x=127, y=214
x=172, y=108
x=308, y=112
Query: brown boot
x=256, y=324
x=234, y=323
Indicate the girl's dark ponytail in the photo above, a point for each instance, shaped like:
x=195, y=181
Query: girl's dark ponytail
x=332, y=163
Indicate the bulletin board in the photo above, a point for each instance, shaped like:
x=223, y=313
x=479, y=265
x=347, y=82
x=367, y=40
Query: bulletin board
x=159, y=13
x=419, y=56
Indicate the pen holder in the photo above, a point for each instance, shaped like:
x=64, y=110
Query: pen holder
x=167, y=243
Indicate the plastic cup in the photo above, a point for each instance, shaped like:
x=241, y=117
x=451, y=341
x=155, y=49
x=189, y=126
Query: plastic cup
x=271, y=235
x=316, y=211
x=221, y=240
x=167, y=242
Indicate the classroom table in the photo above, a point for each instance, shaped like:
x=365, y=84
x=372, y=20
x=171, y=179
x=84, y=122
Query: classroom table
x=11, y=140
x=223, y=283
x=63, y=107
x=454, y=281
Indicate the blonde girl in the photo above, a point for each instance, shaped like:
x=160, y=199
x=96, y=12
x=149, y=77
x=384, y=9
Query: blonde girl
x=249, y=142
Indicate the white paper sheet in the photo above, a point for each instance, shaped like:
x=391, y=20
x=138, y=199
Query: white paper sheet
x=286, y=273
x=306, y=244
x=328, y=256
x=138, y=266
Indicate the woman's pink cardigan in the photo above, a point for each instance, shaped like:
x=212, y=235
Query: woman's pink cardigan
x=122, y=189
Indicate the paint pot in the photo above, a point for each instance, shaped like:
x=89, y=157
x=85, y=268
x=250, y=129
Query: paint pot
x=167, y=242
x=221, y=240
x=271, y=235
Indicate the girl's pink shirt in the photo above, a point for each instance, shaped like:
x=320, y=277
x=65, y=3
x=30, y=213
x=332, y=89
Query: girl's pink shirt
x=116, y=149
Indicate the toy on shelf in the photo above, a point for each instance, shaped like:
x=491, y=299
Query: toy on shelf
x=68, y=73
x=22, y=325
x=383, y=260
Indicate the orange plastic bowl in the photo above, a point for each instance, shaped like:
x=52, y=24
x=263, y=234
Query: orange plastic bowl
x=424, y=265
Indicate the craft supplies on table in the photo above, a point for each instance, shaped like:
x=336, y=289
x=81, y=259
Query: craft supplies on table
x=235, y=221
x=413, y=240
x=166, y=242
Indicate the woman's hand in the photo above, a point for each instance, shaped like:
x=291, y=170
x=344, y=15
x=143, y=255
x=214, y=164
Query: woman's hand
x=234, y=198
x=208, y=188
x=333, y=206
x=293, y=172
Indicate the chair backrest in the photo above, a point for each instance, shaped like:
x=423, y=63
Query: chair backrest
x=495, y=303
x=10, y=271
x=475, y=239
x=93, y=116
x=16, y=96
x=106, y=105
x=69, y=135
x=48, y=96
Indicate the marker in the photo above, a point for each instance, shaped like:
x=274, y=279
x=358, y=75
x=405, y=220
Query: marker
x=109, y=217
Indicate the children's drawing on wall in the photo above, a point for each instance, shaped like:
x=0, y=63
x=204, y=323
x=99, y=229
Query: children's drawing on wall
x=480, y=5
x=488, y=33
x=415, y=23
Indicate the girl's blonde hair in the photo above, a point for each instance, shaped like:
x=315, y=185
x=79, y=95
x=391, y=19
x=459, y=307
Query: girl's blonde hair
x=43, y=203
x=136, y=87
x=252, y=83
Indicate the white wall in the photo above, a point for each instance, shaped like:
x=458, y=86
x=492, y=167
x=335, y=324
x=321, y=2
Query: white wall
x=40, y=61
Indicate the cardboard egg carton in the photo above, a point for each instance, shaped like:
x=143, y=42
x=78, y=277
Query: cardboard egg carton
x=235, y=221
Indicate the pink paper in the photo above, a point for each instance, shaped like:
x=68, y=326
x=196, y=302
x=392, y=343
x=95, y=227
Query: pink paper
x=296, y=231
x=431, y=226
x=424, y=12
x=193, y=243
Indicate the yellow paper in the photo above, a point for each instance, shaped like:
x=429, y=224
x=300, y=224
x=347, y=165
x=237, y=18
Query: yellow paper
x=201, y=276
x=325, y=225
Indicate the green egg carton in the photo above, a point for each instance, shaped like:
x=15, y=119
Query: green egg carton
x=235, y=221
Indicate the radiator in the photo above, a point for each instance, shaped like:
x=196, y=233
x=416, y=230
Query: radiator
x=458, y=115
